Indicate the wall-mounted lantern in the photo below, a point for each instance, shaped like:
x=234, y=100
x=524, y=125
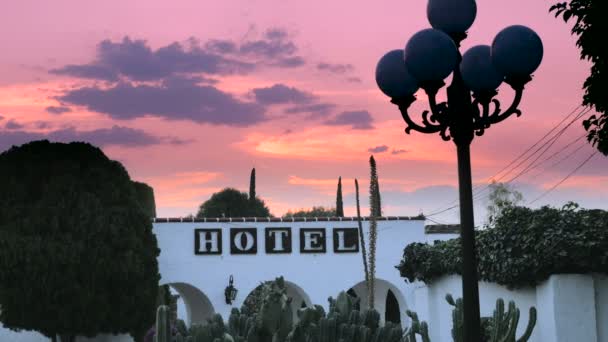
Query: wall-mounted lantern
x=230, y=291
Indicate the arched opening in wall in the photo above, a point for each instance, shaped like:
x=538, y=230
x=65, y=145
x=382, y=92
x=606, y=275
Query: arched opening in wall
x=197, y=304
x=388, y=299
x=392, y=312
x=299, y=298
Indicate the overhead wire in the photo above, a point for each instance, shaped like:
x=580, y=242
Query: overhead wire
x=543, y=149
x=565, y=178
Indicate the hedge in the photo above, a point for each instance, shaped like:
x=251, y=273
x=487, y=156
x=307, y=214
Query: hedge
x=523, y=248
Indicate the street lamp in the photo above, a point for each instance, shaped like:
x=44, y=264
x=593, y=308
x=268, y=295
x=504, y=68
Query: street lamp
x=429, y=57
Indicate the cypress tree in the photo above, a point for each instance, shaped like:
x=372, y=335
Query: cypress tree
x=339, y=204
x=252, y=185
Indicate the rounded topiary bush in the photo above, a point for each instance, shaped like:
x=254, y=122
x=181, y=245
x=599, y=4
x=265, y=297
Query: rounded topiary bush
x=77, y=252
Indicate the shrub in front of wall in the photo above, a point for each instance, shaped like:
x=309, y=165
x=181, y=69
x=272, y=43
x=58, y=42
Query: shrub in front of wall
x=523, y=248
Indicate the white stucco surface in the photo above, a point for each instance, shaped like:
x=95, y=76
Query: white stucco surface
x=570, y=307
x=314, y=276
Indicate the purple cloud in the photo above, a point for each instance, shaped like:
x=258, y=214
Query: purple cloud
x=12, y=124
x=315, y=110
x=115, y=136
x=353, y=80
x=400, y=151
x=58, y=109
x=274, y=44
x=221, y=46
x=378, y=149
x=135, y=60
x=280, y=93
x=360, y=119
x=43, y=124
x=289, y=62
x=335, y=68
x=178, y=99
x=93, y=71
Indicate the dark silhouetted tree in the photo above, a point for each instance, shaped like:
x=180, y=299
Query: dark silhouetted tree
x=319, y=211
x=339, y=203
x=252, y=185
x=590, y=27
x=145, y=196
x=77, y=252
x=232, y=203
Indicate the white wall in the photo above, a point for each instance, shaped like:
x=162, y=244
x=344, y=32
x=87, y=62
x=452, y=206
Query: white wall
x=317, y=276
x=570, y=307
x=22, y=336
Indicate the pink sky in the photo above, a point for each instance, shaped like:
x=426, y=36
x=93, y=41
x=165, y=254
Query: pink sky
x=69, y=72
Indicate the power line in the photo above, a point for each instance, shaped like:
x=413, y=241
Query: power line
x=565, y=178
x=547, y=145
x=536, y=143
x=531, y=165
x=476, y=188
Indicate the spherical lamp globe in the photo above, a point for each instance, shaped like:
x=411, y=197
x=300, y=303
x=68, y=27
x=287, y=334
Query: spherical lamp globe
x=451, y=16
x=477, y=70
x=392, y=76
x=430, y=55
x=517, y=51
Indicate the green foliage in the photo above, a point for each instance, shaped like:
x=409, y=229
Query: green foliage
x=590, y=27
x=319, y=211
x=501, y=327
x=252, y=185
x=502, y=196
x=233, y=203
x=524, y=248
x=339, y=203
x=163, y=324
x=145, y=196
x=253, y=303
x=416, y=328
x=72, y=238
x=274, y=323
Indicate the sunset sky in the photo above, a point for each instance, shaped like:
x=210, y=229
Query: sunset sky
x=190, y=95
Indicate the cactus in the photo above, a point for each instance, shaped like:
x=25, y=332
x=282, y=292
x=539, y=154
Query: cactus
x=163, y=327
x=416, y=328
x=501, y=327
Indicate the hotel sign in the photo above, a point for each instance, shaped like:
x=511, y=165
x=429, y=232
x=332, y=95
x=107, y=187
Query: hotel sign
x=277, y=240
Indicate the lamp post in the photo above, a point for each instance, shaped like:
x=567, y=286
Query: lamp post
x=230, y=291
x=429, y=57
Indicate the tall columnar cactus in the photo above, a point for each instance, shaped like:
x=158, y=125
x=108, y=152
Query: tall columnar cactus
x=213, y=331
x=416, y=328
x=361, y=237
x=374, y=212
x=163, y=326
x=501, y=327
x=504, y=325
